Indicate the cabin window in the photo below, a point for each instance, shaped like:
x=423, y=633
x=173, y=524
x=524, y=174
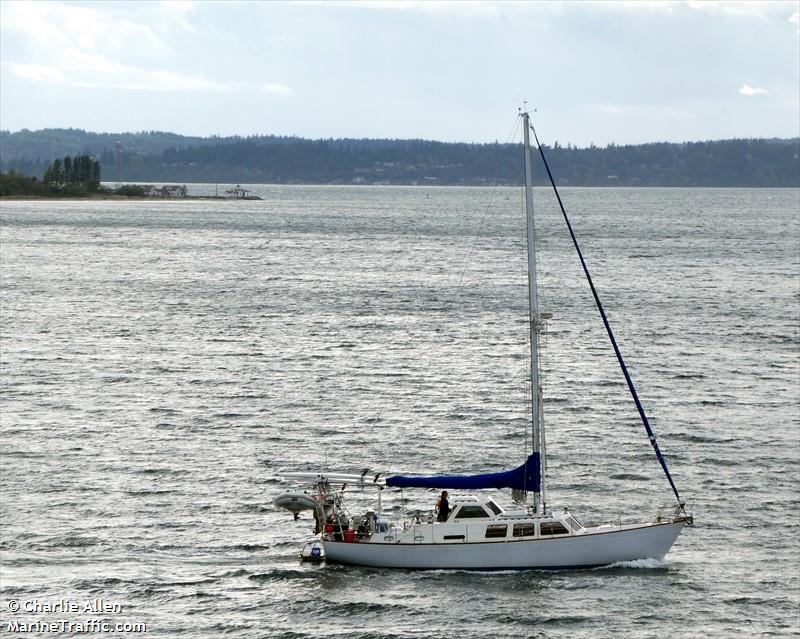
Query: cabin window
x=494, y=507
x=496, y=530
x=471, y=512
x=553, y=528
x=524, y=530
x=574, y=523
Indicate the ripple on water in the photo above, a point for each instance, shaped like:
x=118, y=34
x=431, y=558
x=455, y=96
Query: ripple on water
x=162, y=361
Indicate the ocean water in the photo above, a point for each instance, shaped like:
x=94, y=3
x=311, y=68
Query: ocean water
x=162, y=361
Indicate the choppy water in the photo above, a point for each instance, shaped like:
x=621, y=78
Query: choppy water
x=161, y=360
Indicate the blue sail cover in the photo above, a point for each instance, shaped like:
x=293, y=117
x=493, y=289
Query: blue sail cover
x=525, y=477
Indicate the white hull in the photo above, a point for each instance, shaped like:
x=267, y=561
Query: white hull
x=579, y=551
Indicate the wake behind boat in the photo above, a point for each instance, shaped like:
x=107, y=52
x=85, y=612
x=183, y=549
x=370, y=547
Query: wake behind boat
x=475, y=532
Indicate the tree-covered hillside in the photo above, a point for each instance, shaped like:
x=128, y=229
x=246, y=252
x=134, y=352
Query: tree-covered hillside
x=167, y=157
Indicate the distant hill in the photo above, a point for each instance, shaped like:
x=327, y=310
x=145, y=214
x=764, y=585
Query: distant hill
x=156, y=156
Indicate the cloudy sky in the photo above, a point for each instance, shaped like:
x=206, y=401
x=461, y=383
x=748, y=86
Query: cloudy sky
x=597, y=72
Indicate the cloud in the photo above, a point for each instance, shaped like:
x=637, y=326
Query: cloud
x=86, y=70
x=102, y=47
x=54, y=25
x=795, y=20
x=455, y=8
x=746, y=89
x=743, y=8
x=93, y=71
x=397, y=5
x=178, y=11
x=274, y=88
x=750, y=9
x=37, y=73
x=643, y=5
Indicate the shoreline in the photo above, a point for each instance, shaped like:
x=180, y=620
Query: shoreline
x=114, y=196
x=252, y=198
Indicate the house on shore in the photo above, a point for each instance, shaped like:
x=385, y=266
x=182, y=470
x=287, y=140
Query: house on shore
x=167, y=190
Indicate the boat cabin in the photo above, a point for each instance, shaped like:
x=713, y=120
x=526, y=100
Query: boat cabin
x=474, y=508
x=472, y=519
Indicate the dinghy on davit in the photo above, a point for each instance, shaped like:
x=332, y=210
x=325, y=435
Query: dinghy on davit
x=477, y=533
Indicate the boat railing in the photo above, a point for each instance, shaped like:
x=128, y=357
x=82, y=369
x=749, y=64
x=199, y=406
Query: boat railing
x=421, y=517
x=675, y=512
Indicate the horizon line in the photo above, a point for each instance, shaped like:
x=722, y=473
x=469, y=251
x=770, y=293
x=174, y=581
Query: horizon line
x=235, y=136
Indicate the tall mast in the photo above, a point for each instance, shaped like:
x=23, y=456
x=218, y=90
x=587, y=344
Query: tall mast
x=537, y=414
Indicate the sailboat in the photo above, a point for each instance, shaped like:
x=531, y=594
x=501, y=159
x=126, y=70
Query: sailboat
x=474, y=532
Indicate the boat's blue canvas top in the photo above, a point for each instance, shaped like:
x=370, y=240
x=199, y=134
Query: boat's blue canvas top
x=525, y=477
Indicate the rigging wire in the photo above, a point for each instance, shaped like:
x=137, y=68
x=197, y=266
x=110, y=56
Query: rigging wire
x=631, y=387
x=464, y=222
x=488, y=206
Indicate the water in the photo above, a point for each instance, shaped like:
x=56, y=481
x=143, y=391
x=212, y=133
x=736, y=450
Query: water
x=162, y=360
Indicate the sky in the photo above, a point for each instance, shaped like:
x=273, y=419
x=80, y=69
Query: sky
x=595, y=72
